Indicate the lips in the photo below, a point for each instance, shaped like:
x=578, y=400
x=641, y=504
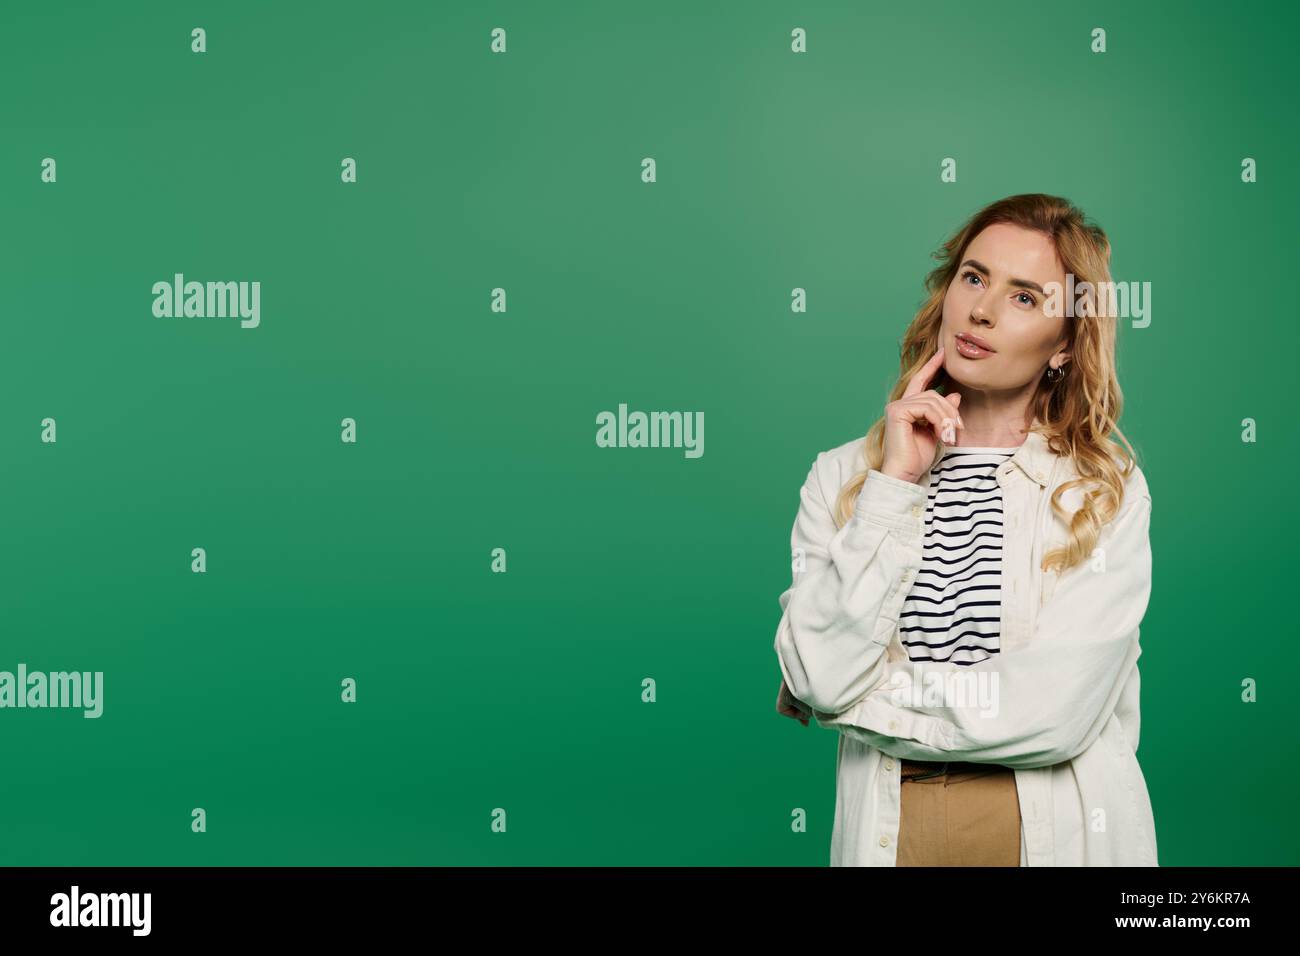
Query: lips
x=971, y=346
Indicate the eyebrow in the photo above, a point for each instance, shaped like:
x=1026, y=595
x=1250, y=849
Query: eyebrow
x=1019, y=283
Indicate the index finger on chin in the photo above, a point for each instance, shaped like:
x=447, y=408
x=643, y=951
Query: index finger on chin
x=921, y=380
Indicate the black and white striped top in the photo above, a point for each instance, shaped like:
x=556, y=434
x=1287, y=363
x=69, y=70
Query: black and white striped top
x=954, y=609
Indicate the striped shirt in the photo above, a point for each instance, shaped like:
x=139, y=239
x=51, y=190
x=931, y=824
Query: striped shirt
x=954, y=609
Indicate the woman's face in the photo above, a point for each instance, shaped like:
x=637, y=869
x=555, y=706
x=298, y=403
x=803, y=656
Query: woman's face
x=998, y=298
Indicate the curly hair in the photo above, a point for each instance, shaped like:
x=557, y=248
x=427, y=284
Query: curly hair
x=1077, y=415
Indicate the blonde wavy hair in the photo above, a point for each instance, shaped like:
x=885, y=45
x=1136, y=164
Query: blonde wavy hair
x=1076, y=415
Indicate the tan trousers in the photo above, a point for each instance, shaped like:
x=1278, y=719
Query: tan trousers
x=966, y=816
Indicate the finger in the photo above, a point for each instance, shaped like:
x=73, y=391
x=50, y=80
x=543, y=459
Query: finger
x=921, y=408
x=945, y=406
x=945, y=414
x=793, y=707
x=919, y=382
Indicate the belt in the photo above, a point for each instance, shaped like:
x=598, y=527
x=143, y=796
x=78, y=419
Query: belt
x=913, y=769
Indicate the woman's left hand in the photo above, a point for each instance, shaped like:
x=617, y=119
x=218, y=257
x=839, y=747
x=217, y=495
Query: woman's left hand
x=789, y=706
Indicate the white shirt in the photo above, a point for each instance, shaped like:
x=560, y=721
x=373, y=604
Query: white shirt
x=1067, y=684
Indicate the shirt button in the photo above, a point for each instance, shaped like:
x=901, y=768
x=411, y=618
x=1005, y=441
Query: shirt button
x=884, y=841
x=893, y=725
x=916, y=511
x=889, y=765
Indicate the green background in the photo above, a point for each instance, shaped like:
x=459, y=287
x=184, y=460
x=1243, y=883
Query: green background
x=476, y=429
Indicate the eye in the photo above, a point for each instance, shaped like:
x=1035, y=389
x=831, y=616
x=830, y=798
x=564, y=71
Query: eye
x=1032, y=300
x=969, y=274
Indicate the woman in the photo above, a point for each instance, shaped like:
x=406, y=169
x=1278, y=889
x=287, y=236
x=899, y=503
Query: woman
x=969, y=580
